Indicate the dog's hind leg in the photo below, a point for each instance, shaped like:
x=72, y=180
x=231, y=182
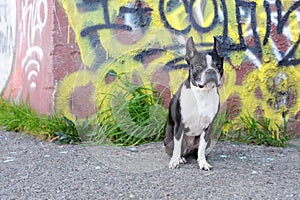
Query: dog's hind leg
x=169, y=139
x=201, y=153
x=177, y=158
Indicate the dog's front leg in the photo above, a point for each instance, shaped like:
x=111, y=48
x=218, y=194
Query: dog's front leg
x=177, y=159
x=201, y=153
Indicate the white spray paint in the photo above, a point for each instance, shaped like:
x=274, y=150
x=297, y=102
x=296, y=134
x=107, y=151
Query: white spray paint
x=34, y=17
x=8, y=14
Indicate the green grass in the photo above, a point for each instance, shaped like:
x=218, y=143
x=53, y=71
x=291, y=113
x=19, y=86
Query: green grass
x=131, y=115
x=257, y=131
x=218, y=123
x=20, y=118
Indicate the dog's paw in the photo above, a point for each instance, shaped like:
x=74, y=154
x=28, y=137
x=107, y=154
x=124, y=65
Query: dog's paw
x=204, y=165
x=175, y=162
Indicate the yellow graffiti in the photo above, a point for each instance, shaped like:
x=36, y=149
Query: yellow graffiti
x=120, y=56
x=66, y=87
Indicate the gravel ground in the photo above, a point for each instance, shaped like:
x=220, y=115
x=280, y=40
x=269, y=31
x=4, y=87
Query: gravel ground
x=33, y=169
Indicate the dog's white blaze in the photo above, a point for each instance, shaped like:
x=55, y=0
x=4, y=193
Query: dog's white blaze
x=208, y=60
x=209, y=67
x=198, y=108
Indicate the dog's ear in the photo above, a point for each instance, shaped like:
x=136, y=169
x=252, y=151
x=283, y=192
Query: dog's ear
x=217, y=50
x=190, y=50
x=217, y=54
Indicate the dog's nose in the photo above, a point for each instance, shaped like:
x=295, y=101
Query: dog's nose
x=210, y=72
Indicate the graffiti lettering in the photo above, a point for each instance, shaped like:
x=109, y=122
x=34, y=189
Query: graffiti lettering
x=35, y=14
x=244, y=11
x=88, y=5
x=247, y=8
x=289, y=58
x=7, y=39
x=142, y=55
x=106, y=25
x=142, y=19
x=268, y=24
x=283, y=20
x=165, y=21
x=100, y=53
x=137, y=16
x=171, y=65
x=252, y=6
x=199, y=27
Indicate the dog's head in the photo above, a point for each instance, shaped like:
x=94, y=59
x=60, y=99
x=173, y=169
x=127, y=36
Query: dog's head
x=205, y=67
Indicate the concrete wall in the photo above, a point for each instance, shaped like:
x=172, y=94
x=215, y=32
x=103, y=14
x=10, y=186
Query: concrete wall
x=61, y=56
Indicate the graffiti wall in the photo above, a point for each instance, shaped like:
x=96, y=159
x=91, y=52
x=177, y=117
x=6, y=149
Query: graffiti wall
x=92, y=42
x=7, y=39
x=28, y=46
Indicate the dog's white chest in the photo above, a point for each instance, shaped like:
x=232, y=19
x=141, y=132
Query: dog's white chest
x=198, y=108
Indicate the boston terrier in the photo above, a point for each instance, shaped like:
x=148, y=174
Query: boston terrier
x=194, y=106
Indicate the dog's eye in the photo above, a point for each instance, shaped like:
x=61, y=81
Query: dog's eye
x=198, y=66
x=218, y=65
x=194, y=67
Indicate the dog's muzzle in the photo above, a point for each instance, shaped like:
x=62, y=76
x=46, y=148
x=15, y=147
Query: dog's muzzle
x=210, y=78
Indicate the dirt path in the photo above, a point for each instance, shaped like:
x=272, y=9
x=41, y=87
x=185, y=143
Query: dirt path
x=32, y=169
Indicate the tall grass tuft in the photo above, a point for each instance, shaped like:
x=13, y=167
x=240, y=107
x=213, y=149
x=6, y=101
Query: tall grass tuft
x=257, y=131
x=262, y=131
x=132, y=115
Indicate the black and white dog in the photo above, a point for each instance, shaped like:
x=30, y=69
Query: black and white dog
x=194, y=106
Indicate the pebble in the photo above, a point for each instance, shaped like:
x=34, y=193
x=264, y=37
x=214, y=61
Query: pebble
x=269, y=159
x=8, y=160
x=132, y=149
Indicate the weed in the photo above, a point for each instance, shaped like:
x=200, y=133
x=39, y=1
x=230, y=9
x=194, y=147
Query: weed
x=132, y=115
x=257, y=131
x=69, y=134
x=20, y=118
x=262, y=131
x=220, y=120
